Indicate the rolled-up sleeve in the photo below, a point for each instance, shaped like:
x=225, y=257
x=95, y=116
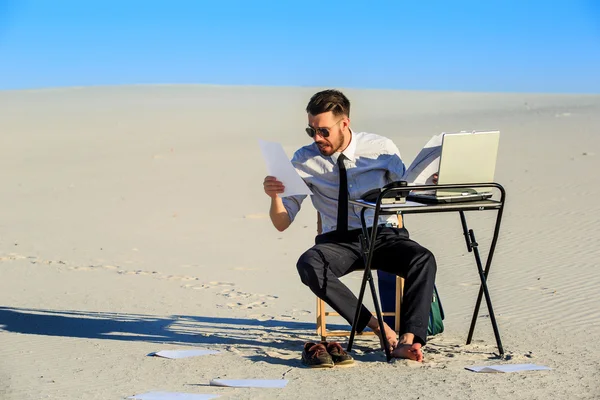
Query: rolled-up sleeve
x=396, y=168
x=292, y=205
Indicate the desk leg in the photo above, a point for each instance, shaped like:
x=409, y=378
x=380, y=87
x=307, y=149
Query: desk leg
x=488, y=299
x=386, y=345
x=364, y=247
x=463, y=221
x=367, y=276
x=367, y=252
x=483, y=290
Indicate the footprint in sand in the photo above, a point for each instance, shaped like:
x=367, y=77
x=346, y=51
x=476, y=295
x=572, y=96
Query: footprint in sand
x=35, y=260
x=545, y=290
x=261, y=317
x=234, y=294
x=137, y=272
x=237, y=294
x=249, y=306
x=198, y=287
x=255, y=300
x=228, y=287
x=12, y=257
x=216, y=283
x=90, y=268
x=294, y=314
x=301, y=312
x=443, y=352
x=210, y=285
x=113, y=268
x=233, y=350
x=256, y=304
x=180, y=278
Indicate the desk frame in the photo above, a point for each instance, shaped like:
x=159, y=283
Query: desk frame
x=368, y=242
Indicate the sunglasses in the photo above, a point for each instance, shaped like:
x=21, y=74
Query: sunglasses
x=324, y=132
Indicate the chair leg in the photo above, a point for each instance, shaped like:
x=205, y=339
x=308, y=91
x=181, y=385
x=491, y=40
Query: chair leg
x=399, y=293
x=321, y=325
x=321, y=312
x=319, y=316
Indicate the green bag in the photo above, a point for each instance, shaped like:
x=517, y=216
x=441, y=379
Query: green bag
x=436, y=315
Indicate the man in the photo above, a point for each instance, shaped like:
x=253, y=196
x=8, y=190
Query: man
x=342, y=164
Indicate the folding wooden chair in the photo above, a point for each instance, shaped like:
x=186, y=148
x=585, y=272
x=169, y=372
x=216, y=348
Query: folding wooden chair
x=322, y=313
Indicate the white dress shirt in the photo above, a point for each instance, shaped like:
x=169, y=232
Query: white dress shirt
x=372, y=162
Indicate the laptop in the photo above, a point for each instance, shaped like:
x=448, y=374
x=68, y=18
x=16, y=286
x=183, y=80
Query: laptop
x=466, y=157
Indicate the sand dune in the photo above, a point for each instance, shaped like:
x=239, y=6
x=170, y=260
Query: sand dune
x=133, y=220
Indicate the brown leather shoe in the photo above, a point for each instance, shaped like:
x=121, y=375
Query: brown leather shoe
x=338, y=354
x=315, y=355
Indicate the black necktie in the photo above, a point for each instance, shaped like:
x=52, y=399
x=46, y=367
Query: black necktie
x=342, y=216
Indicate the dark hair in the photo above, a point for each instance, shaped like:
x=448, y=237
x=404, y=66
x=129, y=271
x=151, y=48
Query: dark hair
x=329, y=100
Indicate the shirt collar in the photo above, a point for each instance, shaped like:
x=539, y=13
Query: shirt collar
x=350, y=150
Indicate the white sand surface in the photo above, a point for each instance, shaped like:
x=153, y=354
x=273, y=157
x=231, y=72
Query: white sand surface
x=133, y=220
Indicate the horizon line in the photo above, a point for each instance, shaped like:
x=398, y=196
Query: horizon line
x=318, y=87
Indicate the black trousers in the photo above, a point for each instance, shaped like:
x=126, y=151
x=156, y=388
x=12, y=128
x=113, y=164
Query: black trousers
x=334, y=256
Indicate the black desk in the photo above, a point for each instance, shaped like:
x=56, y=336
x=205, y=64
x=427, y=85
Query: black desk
x=368, y=241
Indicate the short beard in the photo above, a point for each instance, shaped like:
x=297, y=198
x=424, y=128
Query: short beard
x=335, y=148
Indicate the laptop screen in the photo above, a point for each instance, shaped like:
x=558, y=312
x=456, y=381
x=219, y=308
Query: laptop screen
x=468, y=157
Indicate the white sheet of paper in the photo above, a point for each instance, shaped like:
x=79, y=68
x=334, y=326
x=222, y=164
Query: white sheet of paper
x=173, y=395
x=408, y=203
x=262, y=383
x=279, y=166
x=507, y=368
x=426, y=163
x=184, y=353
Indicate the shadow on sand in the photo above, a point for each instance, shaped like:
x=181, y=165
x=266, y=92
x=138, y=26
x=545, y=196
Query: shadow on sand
x=175, y=329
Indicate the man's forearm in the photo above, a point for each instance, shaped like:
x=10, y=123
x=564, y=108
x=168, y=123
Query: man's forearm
x=279, y=215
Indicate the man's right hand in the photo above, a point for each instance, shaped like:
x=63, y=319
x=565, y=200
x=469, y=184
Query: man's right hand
x=277, y=212
x=272, y=186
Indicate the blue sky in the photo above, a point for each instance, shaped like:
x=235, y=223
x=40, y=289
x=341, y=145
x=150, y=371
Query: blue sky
x=494, y=45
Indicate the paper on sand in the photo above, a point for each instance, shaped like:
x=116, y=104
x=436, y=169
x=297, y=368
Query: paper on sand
x=507, y=368
x=279, y=166
x=174, y=354
x=173, y=395
x=261, y=383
